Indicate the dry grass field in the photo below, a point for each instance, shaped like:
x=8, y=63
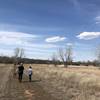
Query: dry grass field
x=12, y=89
x=72, y=83
x=54, y=83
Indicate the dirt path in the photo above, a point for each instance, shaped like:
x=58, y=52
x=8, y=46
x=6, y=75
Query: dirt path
x=11, y=89
x=4, y=78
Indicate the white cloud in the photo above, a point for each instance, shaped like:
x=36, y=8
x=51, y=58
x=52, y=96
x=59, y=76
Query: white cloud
x=10, y=38
x=88, y=35
x=22, y=39
x=97, y=19
x=29, y=42
x=69, y=44
x=55, y=39
x=44, y=46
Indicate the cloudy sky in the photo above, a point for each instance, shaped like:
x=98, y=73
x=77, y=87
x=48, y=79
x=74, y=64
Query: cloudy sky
x=43, y=26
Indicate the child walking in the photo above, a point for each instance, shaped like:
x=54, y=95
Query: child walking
x=30, y=73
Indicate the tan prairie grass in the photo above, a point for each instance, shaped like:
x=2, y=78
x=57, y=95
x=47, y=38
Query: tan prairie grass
x=72, y=83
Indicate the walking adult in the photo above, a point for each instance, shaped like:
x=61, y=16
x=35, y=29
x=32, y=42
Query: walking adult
x=20, y=72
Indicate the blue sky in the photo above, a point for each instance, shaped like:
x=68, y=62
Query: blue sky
x=43, y=26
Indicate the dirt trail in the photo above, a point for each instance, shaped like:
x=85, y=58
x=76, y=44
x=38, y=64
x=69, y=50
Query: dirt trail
x=4, y=78
x=11, y=89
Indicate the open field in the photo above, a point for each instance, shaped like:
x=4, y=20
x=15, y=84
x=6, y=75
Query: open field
x=52, y=83
x=72, y=83
x=11, y=89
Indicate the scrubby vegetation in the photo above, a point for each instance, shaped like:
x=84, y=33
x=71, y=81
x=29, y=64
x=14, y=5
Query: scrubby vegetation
x=82, y=83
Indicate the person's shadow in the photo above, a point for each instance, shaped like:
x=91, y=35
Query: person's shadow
x=33, y=81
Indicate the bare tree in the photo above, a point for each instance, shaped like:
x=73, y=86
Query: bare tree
x=54, y=59
x=68, y=54
x=65, y=55
x=18, y=54
x=98, y=56
x=22, y=54
x=62, y=55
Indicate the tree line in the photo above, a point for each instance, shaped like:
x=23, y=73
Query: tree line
x=65, y=55
x=61, y=56
x=10, y=60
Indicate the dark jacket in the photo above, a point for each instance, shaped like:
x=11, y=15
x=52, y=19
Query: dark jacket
x=20, y=69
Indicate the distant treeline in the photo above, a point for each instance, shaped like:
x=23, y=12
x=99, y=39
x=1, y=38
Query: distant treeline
x=9, y=60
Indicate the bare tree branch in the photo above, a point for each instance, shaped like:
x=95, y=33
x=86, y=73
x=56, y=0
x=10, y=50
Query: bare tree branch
x=54, y=59
x=18, y=54
x=65, y=55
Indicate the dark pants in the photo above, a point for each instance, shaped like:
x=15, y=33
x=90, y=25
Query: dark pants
x=30, y=78
x=20, y=76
